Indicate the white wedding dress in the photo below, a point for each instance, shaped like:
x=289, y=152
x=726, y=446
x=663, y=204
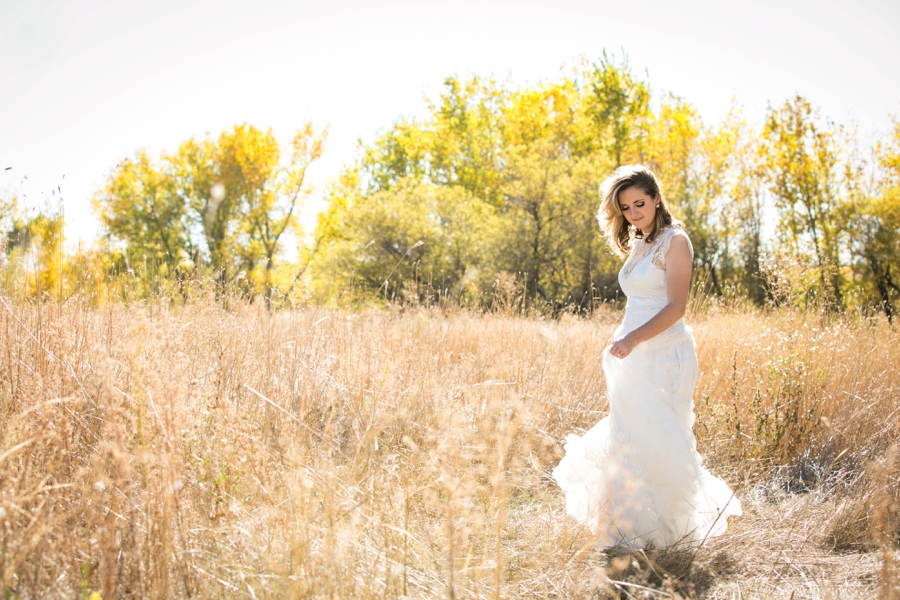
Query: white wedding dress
x=636, y=478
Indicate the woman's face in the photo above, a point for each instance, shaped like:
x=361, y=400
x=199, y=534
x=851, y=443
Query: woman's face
x=639, y=208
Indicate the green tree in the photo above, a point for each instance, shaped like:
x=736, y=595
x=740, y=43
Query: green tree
x=745, y=214
x=140, y=205
x=417, y=241
x=618, y=105
x=532, y=157
x=550, y=197
x=874, y=222
x=801, y=168
x=875, y=225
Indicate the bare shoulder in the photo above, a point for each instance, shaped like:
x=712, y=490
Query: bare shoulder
x=679, y=243
x=680, y=254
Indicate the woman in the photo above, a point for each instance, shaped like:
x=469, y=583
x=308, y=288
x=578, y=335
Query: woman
x=635, y=478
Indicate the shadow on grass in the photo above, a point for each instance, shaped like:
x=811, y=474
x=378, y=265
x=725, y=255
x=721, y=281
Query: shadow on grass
x=666, y=573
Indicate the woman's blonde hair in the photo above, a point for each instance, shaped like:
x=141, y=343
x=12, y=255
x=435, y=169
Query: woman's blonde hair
x=613, y=223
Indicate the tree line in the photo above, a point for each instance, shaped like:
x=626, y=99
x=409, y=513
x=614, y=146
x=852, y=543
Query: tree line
x=493, y=194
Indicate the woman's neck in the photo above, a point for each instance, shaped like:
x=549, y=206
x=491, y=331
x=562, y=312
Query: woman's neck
x=646, y=233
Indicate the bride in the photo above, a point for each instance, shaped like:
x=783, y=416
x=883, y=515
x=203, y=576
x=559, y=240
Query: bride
x=636, y=478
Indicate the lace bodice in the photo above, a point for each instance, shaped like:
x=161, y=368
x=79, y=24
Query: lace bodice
x=643, y=276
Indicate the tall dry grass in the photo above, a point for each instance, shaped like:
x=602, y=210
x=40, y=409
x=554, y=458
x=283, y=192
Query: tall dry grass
x=155, y=451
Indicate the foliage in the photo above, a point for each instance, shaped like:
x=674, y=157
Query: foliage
x=32, y=251
x=421, y=235
x=528, y=173
x=871, y=217
x=875, y=235
x=618, y=105
x=530, y=160
x=228, y=203
x=495, y=186
x=801, y=168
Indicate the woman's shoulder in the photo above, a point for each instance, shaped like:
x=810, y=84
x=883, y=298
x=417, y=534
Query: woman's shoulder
x=669, y=233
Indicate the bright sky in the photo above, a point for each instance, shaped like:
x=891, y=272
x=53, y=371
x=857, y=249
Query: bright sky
x=87, y=83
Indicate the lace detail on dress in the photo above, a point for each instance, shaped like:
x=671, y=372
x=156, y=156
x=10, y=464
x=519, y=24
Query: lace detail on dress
x=639, y=250
x=658, y=248
x=663, y=244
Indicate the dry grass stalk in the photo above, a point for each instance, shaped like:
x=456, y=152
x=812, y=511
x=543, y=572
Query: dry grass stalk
x=159, y=452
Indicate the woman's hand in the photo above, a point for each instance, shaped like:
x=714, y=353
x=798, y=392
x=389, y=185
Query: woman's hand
x=622, y=347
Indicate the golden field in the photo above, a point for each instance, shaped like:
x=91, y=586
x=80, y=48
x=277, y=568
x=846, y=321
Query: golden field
x=156, y=450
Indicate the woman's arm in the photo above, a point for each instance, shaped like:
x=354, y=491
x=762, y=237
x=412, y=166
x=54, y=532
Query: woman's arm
x=678, y=282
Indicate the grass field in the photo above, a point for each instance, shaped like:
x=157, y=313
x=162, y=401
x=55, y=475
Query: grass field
x=162, y=451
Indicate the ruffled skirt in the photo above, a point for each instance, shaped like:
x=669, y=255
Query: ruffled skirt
x=636, y=478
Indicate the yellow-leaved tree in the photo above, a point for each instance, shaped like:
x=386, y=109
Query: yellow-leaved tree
x=801, y=166
x=228, y=202
x=874, y=221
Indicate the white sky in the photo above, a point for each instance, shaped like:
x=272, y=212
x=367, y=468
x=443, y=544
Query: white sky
x=84, y=84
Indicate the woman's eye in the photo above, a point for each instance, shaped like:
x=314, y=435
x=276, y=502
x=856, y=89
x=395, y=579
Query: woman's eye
x=639, y=204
